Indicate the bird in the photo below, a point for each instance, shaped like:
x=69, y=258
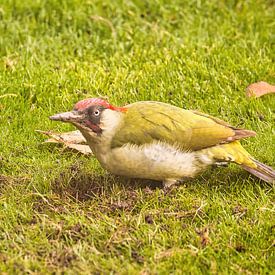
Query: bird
x=160, y=142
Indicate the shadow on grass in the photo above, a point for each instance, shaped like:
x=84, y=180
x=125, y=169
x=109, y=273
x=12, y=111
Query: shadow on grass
x=83, y=186
x=76, y=189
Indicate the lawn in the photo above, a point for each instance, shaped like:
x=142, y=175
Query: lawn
x=59, y=210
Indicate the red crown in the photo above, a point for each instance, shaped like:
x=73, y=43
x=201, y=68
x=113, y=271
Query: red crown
x=85, y=103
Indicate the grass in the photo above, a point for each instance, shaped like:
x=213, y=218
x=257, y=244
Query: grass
x=60, y=211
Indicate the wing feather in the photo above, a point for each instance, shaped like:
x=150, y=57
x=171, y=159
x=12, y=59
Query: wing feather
x=149, y=121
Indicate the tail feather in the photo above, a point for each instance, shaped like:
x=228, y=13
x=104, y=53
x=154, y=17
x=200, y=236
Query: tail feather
x=234, y=152
x=262, y=171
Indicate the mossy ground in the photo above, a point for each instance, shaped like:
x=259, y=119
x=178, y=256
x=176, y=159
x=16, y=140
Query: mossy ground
x=61, y=212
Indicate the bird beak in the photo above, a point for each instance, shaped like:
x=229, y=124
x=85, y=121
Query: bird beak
x=68, y=117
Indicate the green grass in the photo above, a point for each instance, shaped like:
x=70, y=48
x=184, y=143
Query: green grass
x=60, y=211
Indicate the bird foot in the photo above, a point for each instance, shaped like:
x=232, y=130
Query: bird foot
x=169, y=184
x=222, y=163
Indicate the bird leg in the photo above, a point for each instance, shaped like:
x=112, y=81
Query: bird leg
x=168, y=183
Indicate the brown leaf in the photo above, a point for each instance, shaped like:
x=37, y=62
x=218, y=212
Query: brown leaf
x=259, y=89
x=73, y=140
x=82, y=148
x=70, y=137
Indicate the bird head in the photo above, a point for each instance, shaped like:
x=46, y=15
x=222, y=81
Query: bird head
x=92, y=116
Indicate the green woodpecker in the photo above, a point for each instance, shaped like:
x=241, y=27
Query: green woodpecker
x=158, y=141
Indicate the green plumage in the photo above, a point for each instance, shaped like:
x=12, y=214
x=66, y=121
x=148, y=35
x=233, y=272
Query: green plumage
x=145, y=122
x=171, y=143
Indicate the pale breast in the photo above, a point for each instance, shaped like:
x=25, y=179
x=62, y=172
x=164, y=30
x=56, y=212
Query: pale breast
x=156, y=161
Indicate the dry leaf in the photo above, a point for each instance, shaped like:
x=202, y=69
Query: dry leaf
x=73, y=140
x=82, y=148
x=68, y=137
x=259, y=89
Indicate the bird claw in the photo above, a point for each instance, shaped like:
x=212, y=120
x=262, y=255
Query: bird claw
x=169, y=185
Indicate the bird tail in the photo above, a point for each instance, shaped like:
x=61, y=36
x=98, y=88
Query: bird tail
x=262, y=171
x=234, y=152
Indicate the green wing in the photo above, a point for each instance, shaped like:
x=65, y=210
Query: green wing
x=150, y=121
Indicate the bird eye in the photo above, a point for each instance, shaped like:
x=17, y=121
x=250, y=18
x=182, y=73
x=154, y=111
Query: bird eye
x=96, y=113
